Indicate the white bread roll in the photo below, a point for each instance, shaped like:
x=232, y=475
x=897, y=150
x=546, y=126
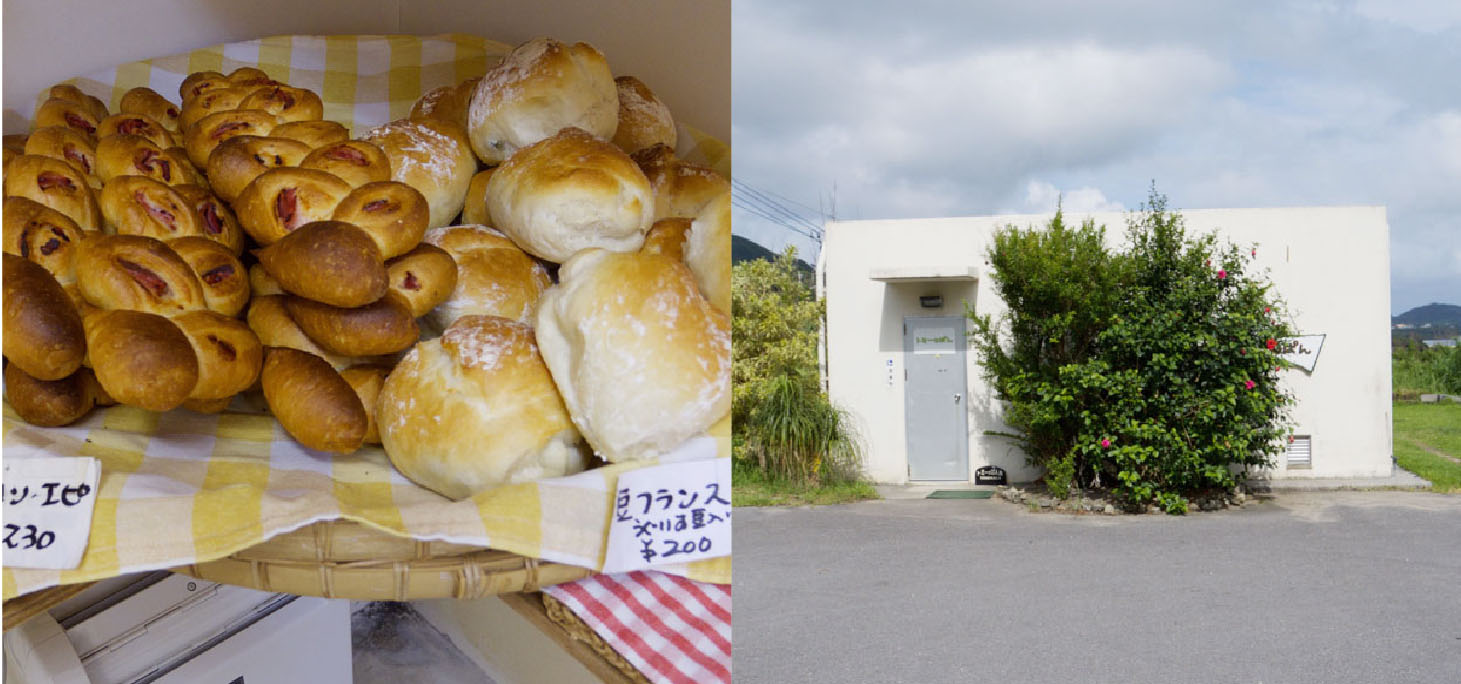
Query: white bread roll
x=708, y=252
x=494, y=276
x=431, y=156
x=539, y=88
x=644, y=121
x=642, y=360
x=569, y=193
x=474, y=409
x=681, y=188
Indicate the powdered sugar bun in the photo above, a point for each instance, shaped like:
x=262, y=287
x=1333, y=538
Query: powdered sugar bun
x=538, y=89
x=432, y=156
x=494, y=276
x=644, y=121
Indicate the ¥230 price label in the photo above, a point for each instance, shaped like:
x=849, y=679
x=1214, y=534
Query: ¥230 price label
x=48, y=506
x=672, y=513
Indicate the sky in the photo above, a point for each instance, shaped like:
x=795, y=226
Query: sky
x=926, y=109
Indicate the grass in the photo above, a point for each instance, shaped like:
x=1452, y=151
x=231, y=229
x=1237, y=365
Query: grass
x=751, y=488
x=1424, y=428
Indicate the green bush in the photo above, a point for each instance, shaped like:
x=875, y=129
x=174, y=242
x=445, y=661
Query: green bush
x=1152, y=371
x=1419, y=370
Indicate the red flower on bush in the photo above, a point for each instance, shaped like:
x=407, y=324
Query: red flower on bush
x=1255, y=252
x=1249, y=384
x=1267, y=309
x=1222, y=274
x=1105, y=443
x=1272, y=343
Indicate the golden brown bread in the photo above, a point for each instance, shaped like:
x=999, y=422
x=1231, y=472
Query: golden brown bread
x=221, y=274
x=66, y=144
x=644, y=121
x=367, y=382
x=210, y=131
x=494, y=276
x=312, y=133
x=261, y=283
x=383, y=327
x=211, y=101
x=540, y=88
x=140, y=125
x=215, y=221
x=474, y=409
x=280, y=200
x=130, y=155
x=141, y=359
x=328, y=261
x=681, y=188
x=447, y=103
x=474, y=212
x=641, y=358
x=41, y=234
x=356, y=162
x=312, y=402
x=68, y=92
x=49, y=403
x=138, y=205
x=228, y=352
x=251, y=76
x=286, y=103
x=271, y=322
x=136, y=272
x=43, y=331
x=55, y=184
x=394, y=214
x=239, y=160
x=143, y=100
x=432, y=156
x=59, y=112
x=200, y=82
x=422, y=278
x=667, y=237
x=708, y=252
x=568, y=193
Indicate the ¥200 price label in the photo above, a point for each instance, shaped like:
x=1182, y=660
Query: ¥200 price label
x=672, y=513
x=48, y=506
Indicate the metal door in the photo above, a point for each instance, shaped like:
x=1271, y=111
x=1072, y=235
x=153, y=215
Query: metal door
x=936, y=421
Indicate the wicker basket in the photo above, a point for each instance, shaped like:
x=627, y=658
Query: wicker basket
x=342, y=559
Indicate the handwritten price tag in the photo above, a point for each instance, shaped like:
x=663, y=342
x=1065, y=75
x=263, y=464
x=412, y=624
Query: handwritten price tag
x=673, y=513
x=48, y=505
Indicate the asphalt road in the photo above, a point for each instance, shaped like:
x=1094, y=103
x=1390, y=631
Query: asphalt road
x=1309, y=587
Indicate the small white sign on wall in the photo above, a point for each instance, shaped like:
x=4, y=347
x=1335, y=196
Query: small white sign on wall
x=1301, y=351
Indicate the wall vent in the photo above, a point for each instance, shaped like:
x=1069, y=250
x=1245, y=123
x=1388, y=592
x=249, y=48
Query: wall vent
x=1300, y=453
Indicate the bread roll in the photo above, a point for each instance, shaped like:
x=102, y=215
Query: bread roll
x=356, y=162
x=422, y=278
x=474, y=212
x=140, y=125
x=239, y=160
x=215, y=221
x=93, y=105
x=212, y=130
x=130, y=155
x=270, y=321
x=138, y=205
x=367, y=382
x=41, y=234
x=250, y=76
x=540, y=88
x=141, y=359
x=432, y=156
x=211, y=101
x=68, y=145
x=384, y=327
x=229, y=354
x=147, y=101
x=474, y=409
x=55, y=184
x=681, y=188
x=312, y=402
x=280, y=200
x=641, y=358
x=494, y=276
x=708, y=252
x=49, y=403
x=222, y=276
x=12, y=146
x=447, y=103
x=286, y=103
x=569, y=193
x=59, y=112
x=312, y=133
x=644, y=121
x=261, y=283
x=43, y=331
x=667, y=237
x=394, y=214
x=328, y=261
x=138, y=273
x=200, y=82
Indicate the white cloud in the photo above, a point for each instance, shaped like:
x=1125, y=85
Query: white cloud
x=1042, y=197
x=1425, y=16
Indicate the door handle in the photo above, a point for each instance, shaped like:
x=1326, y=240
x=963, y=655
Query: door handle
x=957, y=397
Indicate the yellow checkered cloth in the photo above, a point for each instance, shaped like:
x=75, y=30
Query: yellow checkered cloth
x=180, y=487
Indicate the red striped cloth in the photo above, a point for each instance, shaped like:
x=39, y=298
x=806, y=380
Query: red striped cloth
x=674, y=630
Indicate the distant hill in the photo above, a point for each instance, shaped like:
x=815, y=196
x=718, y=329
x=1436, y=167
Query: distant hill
x=743, y=249
x=1434, y=314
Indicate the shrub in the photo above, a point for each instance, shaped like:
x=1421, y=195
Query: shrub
x=1153, y=371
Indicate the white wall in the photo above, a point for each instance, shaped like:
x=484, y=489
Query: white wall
x=1330, y=264
x=681, y=49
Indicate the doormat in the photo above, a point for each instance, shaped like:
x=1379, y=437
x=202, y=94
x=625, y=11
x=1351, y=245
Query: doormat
x=960, y=494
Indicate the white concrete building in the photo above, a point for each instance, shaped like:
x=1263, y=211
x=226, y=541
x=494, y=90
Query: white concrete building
x=896, y=357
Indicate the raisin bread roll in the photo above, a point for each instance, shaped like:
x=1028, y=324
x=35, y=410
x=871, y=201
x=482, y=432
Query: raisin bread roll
x=394, y=214
x=251, y=76
x=214, y=100
x=200, y=82
x=43, y=331
x=138, y=273
x=432, y=156
x=55, y=184
x=540, y=88
x=142, y=100
x=422, y=278
x=286, y=103
x=131, y=155
x=312, y=133
x=356, y=162
x=280, y=200
x=212, y=130
x=138, y=205
x=225, y=283
x=236, y=162
x=141, y=125
x=59, y=112
x=644, y=121
x=568, y=193
x=68, y=145
x=328, y=261
x=93, y=105
x=681, y=188
x=641, y=358
x=474, y=409
x=215, y=220
x=708, y=252
x=141, y=359
x=41, y=234
x=229, y=354
x=312, y=402
x=494, y=276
